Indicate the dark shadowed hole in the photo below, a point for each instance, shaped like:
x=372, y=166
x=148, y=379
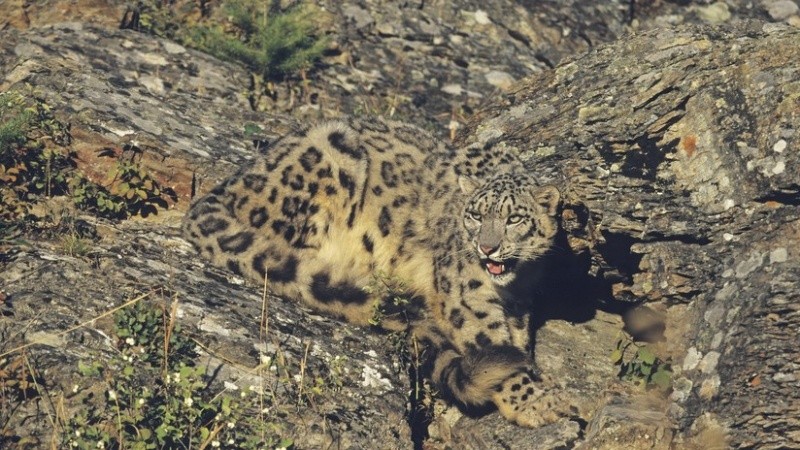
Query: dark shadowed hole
x=569, y=292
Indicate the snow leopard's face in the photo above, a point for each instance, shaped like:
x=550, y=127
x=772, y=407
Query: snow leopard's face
x=509, y=219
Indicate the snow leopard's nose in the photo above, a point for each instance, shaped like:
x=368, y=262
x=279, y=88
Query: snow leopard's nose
x=487, y=249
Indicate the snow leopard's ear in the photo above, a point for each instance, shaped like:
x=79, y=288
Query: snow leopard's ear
x=548, y=198
x=467, y=184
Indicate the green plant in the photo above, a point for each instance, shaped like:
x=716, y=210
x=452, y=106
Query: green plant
x=74, y=245
x=644, y=368
x=269, y=44
x=91, y=196
x=34, y=155
x=154, y=395
x=153, y=334
x=394, y=294
x=129, y=190
x=36, y=162
x=14, y=120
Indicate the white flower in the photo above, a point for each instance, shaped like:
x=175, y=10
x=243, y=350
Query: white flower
x=77, y=433
x=231, y=424
x=242, y=394
x=188, y=401
x=130, y=341
x=176, y=377
x=141, y=401
x=231, y=441
x=75, y=389
x=101, y=444
x=266, y=360
x=112, y=396
x=215, y=443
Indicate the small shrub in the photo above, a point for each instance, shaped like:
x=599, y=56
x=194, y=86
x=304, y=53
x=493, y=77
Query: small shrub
x=151, y=332
x=14, y=120
x=36, y=162
x=155, y=396
x=129, y=190
x=644, y=368
x=271, y=45
x=34, y=155
x=74, y=245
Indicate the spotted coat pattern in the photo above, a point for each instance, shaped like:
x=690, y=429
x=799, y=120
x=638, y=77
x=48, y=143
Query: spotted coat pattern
x=325, y=210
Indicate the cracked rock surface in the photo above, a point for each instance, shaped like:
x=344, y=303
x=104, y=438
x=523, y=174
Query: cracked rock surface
x=673, y=150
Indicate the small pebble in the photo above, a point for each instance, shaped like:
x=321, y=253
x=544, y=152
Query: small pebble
x=692, y=358
x=784, y=377
x=728, y=204
x=778, y=255
x=482, y=18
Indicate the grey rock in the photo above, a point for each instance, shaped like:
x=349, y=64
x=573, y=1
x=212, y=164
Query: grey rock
x=781, y=9
x=360, y=17
x=714, y=13
x=499, y=79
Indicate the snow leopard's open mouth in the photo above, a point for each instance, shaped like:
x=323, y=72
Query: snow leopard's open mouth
x=498, y=268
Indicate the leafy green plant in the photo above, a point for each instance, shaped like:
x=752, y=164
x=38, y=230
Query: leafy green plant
x=272, y=45
x=153, y=334
x=14, y=120
x=34, y=155
x=129, y=190
x=154, y=395
x=643, y=368
x=36, y=162
x=274, y=42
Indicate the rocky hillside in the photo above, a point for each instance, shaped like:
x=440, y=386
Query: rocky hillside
x=671, y=127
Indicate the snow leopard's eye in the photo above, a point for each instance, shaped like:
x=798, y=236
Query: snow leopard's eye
x=514, y=219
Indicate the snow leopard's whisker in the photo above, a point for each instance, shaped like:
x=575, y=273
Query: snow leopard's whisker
x=454, y=254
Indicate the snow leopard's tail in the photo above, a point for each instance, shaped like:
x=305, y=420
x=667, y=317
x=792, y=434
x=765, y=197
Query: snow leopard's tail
x=472, y=379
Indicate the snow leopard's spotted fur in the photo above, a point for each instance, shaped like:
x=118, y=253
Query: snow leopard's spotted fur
x=329, y=208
